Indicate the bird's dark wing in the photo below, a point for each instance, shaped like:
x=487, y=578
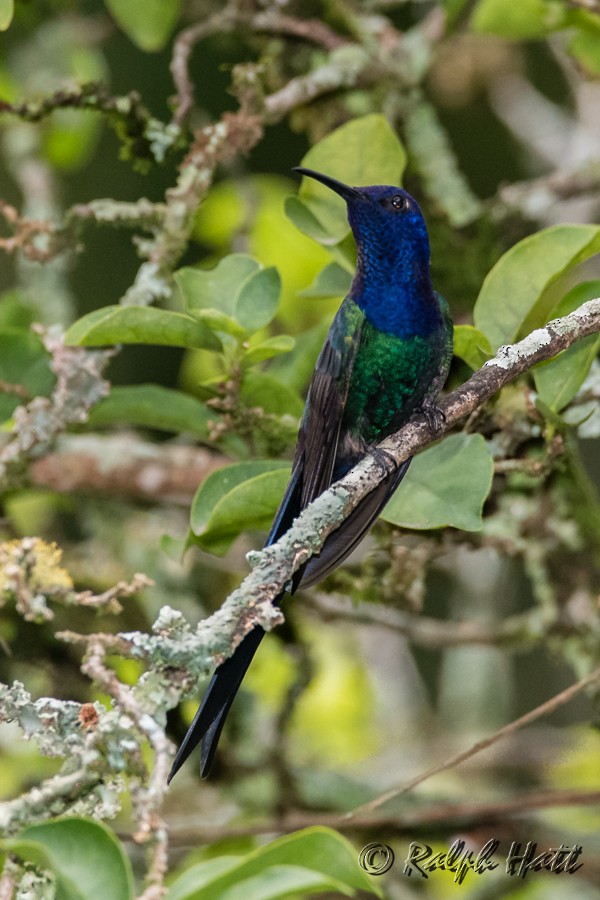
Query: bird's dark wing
x=316, y=454
x=312, y=472
x=344, y=539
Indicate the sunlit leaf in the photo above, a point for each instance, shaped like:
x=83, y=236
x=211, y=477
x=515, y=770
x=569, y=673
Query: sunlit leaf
x=512, y=298
x=141, y=325
x=363, y=151
x=522, y=20
x=585, y=45
x=148, y=23
x=295, y=368
x=219, y=321
x=446, y=484
x=7, y=11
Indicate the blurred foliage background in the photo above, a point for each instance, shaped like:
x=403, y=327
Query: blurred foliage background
x=430, y=637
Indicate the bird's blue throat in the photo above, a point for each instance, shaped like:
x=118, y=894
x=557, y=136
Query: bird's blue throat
x=394, y=290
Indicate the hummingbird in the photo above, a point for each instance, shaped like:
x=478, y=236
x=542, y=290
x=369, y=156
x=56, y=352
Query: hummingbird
x=385, y=358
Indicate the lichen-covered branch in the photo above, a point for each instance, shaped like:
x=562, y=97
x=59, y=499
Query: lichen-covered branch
x=126, y=466
x=79, y=385
x=274, y=566
x=174, y=644
x=144, y=138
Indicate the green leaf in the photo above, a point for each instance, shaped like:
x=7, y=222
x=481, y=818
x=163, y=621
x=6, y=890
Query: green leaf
x=141, y=325
x=522, y=20
x=319, y=850
x=219, y=321
x=305, y=221
x=152, y=406
x=24, y=363
x=512, y=298
x=148, y=23
x=295, y=368
x=258, y=299
x=471, y=345
x=7, y=11
x=216, y=288
x=85, y=856
x=447, y=484
x=273, y=346
x=269, y=392
x=361, y=152
x=332, y=281
x=277, y=881
x=558, y=380
x=236, y=498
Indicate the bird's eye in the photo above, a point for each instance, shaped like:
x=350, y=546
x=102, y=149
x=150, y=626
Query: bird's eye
x=399, y=202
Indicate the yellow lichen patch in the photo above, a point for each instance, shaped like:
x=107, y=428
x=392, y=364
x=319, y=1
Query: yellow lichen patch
x=34, y=563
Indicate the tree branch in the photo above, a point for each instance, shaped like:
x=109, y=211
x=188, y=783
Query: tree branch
x=123, y=465
x=273, y=567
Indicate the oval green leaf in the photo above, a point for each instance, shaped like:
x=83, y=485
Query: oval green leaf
x=512, y=298
x=7, y=11
x=361, y=152
x=152, y=406
x=86, y=857
x=271, y=394
x=237, y=498
x=222, y=482
x=147, y=23
x=471, y=345
x=216, y=288
x=319, y=850
x=525, y=20
x=274, y=346
x=141, y=325
x=219, y=321
x=447, y=484
x=332, y=281
x=258, y=299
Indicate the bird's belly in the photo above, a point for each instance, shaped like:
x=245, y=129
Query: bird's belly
x=389, y=382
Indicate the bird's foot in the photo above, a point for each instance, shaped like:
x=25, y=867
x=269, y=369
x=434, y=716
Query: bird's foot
x=434, y=416
x=384, y=460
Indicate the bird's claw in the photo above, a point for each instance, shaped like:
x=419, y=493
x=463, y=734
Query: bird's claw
x=384, y=460
x=434, y=416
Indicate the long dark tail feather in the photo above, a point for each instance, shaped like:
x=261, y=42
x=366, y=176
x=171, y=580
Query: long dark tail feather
x=224, y=685
x=210, y=718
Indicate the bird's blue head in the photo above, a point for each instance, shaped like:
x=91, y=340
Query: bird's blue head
x=390, y=234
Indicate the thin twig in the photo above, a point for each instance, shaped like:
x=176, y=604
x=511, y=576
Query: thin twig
x=543, y=710
x=450, y=816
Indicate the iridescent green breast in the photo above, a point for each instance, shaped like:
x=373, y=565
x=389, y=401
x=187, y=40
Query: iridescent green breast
x=390, y=378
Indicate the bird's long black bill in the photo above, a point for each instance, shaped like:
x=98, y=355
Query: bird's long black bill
x=344, y=190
